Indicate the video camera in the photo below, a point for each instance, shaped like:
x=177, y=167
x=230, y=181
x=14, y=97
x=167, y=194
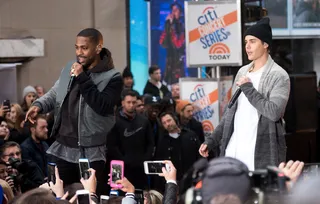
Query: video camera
x=268, y=186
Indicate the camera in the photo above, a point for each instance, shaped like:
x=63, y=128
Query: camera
x=21, y=166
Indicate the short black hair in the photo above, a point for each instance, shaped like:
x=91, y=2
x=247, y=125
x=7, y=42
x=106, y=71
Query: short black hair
x=93, y=34
x=40, y=116
x=153, y=68
x=173, y=115
x=7, y=145
x=177, y=5
x=128, y=92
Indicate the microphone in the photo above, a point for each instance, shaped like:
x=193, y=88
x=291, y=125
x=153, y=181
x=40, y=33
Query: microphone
x=71, y=80
x=234, y=97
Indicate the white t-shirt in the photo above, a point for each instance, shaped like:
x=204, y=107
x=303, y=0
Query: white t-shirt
x=243, y=140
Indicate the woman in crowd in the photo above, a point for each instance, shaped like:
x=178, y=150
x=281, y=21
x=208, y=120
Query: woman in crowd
x=15, y=120
x=29, y=95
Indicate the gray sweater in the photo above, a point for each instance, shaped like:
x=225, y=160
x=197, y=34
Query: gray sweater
x=270, y=100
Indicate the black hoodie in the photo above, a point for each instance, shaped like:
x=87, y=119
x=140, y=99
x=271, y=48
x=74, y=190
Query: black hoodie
x=68, y=131
x=131, y=140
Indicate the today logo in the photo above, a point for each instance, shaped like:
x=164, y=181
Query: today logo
x=219, y=51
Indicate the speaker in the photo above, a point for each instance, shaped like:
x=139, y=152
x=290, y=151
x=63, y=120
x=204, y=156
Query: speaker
x=301, y=111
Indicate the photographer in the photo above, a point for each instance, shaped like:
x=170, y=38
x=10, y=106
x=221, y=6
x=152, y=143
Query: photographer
x=25, y=174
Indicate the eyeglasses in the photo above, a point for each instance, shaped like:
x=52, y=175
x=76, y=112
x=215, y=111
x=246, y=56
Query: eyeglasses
x=13, y=154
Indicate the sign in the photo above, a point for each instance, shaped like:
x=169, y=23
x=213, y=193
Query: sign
x=213, y=33
x=203, y=94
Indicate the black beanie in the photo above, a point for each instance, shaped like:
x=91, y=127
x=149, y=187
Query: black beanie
x=224, y=176
x=261, y=30
x=127, y=73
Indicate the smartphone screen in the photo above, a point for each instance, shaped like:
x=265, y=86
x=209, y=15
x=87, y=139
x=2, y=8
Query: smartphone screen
x=83, y=199
x=155, y=168
x=84, y=166
x=51, y=172
x=139, y=197
x=116, y=172
x=104, y=199
x=7, y=103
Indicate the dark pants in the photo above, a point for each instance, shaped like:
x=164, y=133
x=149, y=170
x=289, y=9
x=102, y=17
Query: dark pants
x=70, y=173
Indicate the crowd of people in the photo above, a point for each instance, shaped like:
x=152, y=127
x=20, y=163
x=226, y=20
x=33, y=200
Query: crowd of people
x=92, y=112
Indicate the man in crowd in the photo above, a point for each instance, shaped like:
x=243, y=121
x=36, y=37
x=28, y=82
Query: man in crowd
x=29, y=174
x=4, y=130
x=40, y=90
x=178, y=145
x=184, y=110
x=154, y=87
x=84, y=105
x=175, y=91
x=127, y=77
x=251, y=130
x=226, y=179
x=34, y=148
x=131, y=140
x=140, y=105
x=152, y=111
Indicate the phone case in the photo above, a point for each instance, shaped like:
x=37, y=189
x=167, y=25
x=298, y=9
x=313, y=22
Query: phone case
x=116, y=162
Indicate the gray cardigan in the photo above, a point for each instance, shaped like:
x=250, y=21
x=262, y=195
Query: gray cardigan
x=270, y=100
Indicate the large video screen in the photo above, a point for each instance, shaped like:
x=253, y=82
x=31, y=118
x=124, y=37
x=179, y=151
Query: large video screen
x=168, y=40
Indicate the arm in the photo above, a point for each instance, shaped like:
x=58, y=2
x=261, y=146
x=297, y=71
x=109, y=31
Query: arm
x=47, y=102
x=274, y=107
x=101, y=102
x=170, y=193
x=214, y=139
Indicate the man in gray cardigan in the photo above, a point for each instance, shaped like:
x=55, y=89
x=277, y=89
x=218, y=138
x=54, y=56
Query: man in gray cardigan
x=251, y=130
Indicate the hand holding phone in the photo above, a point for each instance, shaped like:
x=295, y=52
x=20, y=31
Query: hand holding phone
x=116, y=173
x=91, y=183
x=84, y=166
x=83, y=196
x=155, y=167
x=51, y=172
x=170, y=172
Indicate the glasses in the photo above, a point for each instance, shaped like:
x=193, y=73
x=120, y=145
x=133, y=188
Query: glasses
x=13, y=154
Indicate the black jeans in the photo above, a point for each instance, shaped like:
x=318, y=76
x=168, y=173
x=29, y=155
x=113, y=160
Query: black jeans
x=70, y=173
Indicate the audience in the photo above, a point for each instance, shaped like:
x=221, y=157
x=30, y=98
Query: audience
x=156, y=126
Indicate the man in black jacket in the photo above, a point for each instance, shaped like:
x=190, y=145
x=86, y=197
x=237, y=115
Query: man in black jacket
x=83, y=98
x=34, y=148
x=131, y=140
x=184, y=110
x=154, y=87
x=178, y=145
x=28, y=171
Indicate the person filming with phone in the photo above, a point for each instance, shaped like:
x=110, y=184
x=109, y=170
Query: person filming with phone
x=83, y=98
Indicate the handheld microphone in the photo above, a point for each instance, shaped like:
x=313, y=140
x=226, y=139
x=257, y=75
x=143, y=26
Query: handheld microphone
x=234, y=97
x=71, y=80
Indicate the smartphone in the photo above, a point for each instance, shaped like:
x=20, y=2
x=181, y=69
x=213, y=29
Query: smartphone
x=7, y=103
x=83, y=197
x=84, y=166
x=138, y=196
x=51, y=172
x=114, y=193
x=154, y=167
x=116, y=172
x=104, y=199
